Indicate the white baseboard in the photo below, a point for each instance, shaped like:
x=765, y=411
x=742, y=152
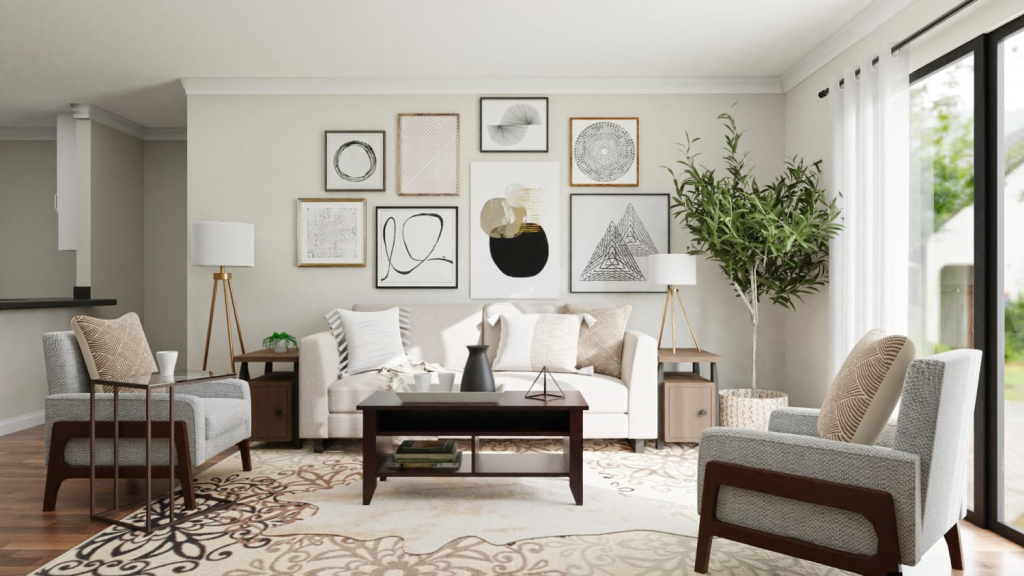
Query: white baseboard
x=18, y=423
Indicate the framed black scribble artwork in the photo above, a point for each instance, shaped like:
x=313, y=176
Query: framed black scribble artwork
x=417, y=247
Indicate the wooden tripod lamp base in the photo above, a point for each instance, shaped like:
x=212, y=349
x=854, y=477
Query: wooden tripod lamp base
x=223, y=244
x=673, y=270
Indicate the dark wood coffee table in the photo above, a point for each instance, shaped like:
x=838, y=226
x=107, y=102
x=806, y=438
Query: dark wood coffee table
x=474, y=414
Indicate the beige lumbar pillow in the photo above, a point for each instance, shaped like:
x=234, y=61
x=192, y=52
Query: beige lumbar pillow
x=866, y=389
x=600, y=343
x=533, y=341
x=113, y=349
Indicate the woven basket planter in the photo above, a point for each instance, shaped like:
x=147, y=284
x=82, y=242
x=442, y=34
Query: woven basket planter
x=745, y=408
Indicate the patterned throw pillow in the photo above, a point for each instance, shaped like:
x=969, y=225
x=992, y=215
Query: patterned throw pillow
x=600, y=344
x=373, y=340
x=334, y=321
x=533, y=341
x=113, y=349
x=866, y=389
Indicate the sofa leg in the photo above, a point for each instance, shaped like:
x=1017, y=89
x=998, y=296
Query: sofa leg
x=638, y=445
x=956, y=551
x=318, y=446
x=243, y=448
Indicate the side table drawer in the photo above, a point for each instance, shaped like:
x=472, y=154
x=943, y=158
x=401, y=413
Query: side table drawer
x=271, y=410
x=689, y=407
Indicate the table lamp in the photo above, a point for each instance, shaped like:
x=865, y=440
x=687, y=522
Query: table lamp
x=223, y=244
x=673, y=270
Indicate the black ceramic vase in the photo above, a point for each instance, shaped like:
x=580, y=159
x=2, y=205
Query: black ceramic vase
x=477, y=377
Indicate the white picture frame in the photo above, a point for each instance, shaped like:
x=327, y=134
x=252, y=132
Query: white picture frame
x=509, y=124
x=604, y=152
x=355, y=161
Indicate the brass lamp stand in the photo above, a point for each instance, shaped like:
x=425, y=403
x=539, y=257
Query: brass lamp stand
x=671, y=303
x=229, y=309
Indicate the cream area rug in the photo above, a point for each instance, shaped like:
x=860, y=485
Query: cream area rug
x=296, y=515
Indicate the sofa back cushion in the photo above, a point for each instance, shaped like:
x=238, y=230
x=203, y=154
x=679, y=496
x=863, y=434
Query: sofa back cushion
x=438, y=333
x=535, y=341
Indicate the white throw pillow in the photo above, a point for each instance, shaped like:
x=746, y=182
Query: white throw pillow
x=534, y=341
x=373, y=340
x=334, y=321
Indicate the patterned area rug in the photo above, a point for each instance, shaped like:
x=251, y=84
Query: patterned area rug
x=277, y=498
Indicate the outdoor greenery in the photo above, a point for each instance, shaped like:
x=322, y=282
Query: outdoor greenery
x=769, y=241
x=273, y=339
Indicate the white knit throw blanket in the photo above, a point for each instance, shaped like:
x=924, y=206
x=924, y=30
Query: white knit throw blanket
x=400, y=378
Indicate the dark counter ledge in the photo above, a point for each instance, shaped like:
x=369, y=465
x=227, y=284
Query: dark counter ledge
x=37, y=303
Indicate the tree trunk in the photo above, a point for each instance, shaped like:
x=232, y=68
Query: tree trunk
x=753, y=359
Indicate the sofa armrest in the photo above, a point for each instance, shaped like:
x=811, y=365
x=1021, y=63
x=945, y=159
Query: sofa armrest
x=640, y=374
x=131, y=407
x=892, y=471
x=319, y=370
x=800, y=421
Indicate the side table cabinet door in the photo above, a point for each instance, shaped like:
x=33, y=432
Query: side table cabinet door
x=688, y=411
x=271, y=411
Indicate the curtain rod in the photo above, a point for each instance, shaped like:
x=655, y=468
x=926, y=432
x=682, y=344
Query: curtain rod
x=920, y=32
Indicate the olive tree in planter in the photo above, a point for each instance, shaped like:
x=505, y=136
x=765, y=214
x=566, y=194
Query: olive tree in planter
x=770, y=241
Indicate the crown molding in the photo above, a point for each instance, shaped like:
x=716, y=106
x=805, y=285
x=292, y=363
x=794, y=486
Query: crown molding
x=853, y=31
x=28, y=133
x=165, y=134
x=97, y=114
x=341, y=86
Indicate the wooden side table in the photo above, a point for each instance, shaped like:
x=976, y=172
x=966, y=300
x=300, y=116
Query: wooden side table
x=275, y=396
x=687, y=402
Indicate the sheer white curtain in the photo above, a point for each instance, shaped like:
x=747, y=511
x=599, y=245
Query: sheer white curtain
x=869, y=172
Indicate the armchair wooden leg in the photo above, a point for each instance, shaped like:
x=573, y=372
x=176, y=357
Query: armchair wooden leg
x=53, y=482
x=243, y=447
x=956, y=551
x=704, y=537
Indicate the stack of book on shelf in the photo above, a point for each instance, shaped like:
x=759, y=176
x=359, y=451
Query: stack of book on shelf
x=433, y=454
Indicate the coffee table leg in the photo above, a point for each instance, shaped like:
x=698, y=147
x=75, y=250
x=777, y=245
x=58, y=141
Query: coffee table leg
x=576, y=455
x=370, y=465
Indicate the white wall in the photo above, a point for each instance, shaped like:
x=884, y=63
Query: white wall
x=250, y=157
x=30, y=264
x=165, y=246
x=806, y=133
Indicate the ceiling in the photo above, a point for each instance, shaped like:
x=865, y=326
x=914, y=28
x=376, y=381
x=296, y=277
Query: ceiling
x=126, y=56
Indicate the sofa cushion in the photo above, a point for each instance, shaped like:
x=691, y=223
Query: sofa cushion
x=600, y=344
x=439, y=333
x=373, y=340
x=113, y=349
x=604, y=394
x=536, y=341
x=345, y=394
x=866, y=389
x=223, y=414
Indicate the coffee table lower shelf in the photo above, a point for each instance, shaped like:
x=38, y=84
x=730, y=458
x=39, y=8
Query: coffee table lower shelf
x=494, y=465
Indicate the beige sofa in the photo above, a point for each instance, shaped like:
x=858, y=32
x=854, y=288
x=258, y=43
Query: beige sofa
x=619, y=408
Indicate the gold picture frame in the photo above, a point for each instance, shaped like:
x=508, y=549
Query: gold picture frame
x=424, y=188
x=303, y=257
x=578, y=178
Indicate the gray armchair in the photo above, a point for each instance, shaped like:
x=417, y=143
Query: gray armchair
x=867, y=509
x=209, y=419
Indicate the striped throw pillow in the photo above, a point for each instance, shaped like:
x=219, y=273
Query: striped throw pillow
x=334, y=321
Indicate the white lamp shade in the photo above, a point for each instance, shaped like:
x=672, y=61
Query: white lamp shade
x=223, y=244
x=673, y=269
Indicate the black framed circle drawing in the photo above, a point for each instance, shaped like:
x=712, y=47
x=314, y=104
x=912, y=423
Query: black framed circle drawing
x=354, y=161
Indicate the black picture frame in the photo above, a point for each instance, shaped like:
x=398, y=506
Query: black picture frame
x=547, y=125
x=382, y=166
x=377, y=247
x=668, y=221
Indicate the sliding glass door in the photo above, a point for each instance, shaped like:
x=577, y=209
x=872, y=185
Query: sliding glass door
x=1009, y=185
x=967, y=249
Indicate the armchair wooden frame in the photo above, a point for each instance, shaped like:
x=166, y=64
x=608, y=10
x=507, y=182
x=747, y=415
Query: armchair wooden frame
x=875, y=505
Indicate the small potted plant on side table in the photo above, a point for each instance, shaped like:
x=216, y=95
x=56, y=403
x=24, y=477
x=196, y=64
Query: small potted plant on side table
x=770, y=241
x=280, y=342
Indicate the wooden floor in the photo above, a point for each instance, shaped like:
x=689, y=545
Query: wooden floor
x=29, y=537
